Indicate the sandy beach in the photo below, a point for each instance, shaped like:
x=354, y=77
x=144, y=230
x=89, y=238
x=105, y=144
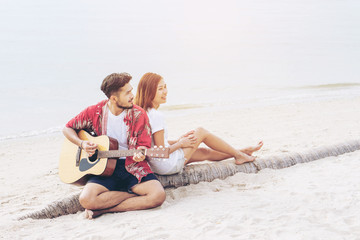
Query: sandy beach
x=316, y=200
x=286, y=73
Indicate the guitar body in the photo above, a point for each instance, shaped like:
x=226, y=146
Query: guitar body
x=75, y=166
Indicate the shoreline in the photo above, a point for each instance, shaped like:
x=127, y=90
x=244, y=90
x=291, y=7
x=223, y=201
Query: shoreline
x=271, y=97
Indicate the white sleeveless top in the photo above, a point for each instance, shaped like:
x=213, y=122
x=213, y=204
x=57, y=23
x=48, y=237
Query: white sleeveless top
x=164, y=166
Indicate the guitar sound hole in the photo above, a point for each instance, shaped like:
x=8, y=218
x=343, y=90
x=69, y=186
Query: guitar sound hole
x=94, y=157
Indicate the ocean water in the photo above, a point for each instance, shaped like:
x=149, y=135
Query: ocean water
x=212, y=54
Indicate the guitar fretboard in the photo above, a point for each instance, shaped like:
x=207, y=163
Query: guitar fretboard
x=117, y=153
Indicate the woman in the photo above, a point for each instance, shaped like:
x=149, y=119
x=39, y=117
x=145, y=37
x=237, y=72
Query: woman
x=151, y=93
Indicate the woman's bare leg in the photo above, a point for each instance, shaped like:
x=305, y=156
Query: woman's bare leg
x=202, y=154
x=252, y=149
x=217, y=144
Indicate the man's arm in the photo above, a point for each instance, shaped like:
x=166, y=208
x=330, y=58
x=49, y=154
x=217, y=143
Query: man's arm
x=81, y=121
x=71, y=134
x=144, y=136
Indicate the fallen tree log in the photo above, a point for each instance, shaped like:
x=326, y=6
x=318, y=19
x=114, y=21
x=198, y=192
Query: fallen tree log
x=196, y=173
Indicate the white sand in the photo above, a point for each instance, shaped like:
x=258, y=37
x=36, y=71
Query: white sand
x=317, y=200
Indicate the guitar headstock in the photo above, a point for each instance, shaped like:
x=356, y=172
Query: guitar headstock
x=158, y=152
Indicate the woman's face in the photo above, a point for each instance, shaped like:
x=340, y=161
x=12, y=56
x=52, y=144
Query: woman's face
x=161, y=93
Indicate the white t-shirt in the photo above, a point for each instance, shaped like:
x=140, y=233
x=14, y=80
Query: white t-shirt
x=116, y=128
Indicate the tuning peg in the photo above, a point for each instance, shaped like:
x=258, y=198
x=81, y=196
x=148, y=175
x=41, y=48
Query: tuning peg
x=155, y=146
x=160, y=146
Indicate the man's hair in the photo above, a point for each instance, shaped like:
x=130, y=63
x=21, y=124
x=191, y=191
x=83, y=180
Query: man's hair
x=114, y=82
x=146, y=90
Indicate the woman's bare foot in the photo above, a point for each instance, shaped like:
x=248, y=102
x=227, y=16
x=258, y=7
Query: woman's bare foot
x=243, y=158
x=250, y=150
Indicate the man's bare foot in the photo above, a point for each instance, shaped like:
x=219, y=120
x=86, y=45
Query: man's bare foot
x=250, y=150
x=91, y=214
x=243, y=158
x=88, y=214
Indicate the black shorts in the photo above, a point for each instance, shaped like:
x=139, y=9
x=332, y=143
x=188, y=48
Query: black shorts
x=121, y=180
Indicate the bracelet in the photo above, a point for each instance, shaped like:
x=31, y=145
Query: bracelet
x=81, y=144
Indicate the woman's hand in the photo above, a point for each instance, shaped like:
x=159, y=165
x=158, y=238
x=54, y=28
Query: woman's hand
x=186, y=135
x=187, y=140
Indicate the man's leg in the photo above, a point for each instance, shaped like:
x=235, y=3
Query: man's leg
x=151, y=194
x=96, y=196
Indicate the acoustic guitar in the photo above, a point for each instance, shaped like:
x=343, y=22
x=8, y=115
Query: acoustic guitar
x=75, y=165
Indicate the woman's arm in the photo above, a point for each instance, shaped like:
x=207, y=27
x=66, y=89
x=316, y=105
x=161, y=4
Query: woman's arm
x=159, y=140
x=171, y=142
x=184, y=141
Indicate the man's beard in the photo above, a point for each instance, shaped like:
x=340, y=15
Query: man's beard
x=123, y=107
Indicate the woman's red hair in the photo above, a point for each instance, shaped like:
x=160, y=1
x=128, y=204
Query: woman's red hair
x=146, y=90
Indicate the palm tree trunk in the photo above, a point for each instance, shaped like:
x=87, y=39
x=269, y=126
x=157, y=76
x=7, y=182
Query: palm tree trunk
x=196, y=173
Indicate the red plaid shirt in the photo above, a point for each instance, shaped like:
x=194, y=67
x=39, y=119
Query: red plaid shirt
x=94, y=119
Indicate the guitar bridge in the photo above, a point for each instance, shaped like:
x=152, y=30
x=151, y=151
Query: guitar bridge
x=78, y=156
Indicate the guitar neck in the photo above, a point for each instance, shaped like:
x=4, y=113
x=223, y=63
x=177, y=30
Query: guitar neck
x=117, y=153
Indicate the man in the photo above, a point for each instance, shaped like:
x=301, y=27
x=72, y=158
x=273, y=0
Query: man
x=133, y=186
